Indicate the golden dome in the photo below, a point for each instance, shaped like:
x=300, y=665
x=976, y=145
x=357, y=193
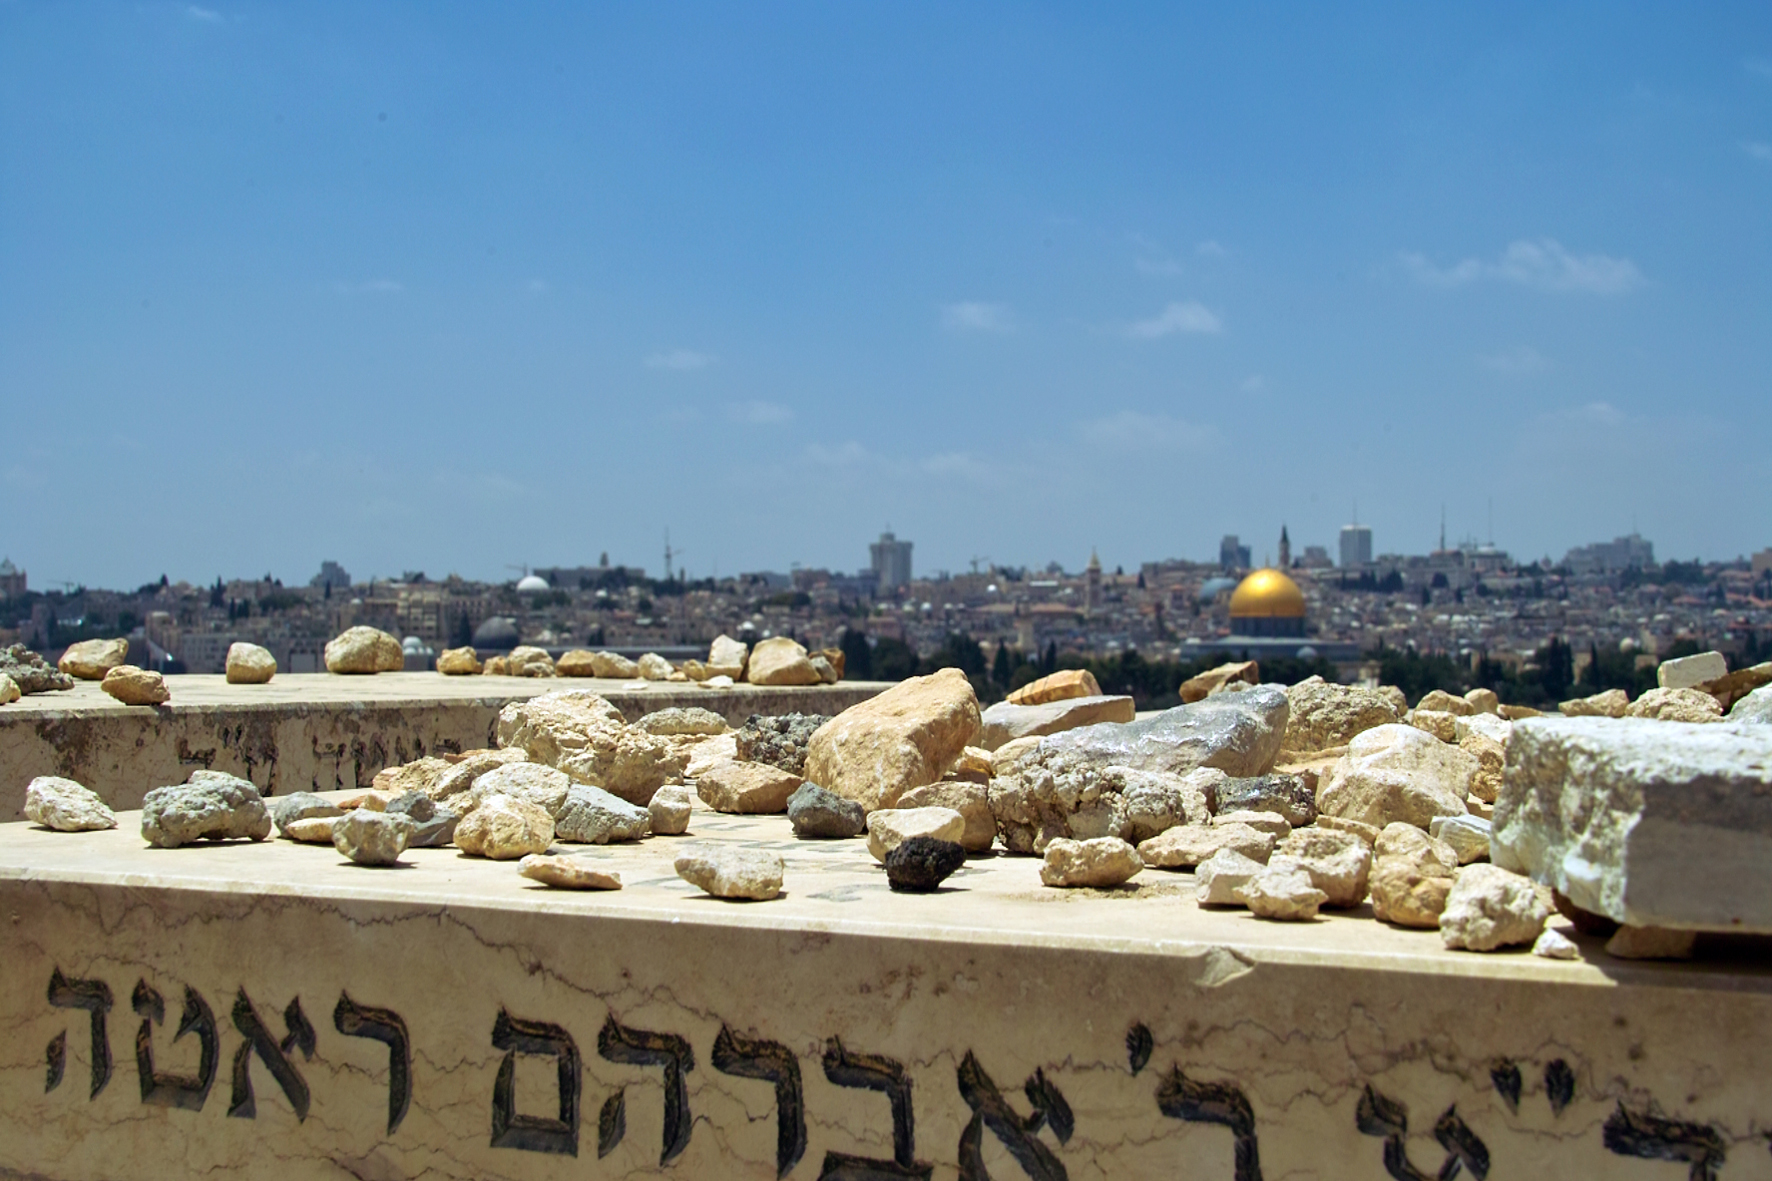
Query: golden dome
x=1269, y=594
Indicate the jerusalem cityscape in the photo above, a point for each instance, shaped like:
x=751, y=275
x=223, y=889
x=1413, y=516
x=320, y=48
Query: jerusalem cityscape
x=995, y=591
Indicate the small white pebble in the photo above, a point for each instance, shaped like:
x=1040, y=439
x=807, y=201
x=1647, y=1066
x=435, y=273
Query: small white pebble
x=1554, y=945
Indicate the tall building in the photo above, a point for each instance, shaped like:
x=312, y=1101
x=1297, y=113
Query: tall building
x=12, y=580
x=1232, y=554
x=1092, y=583
x=1285, y=549
x=331, y=575
x=1356, y=546
x=891, y=561
x=1621, y=553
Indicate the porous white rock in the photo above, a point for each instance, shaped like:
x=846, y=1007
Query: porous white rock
x=1676, y=705
x=583, y=735
x=1468, y=836
x=249, y=664
x=364, y=650
x=1552, y=944
x=1186, y=845
x=1755, y=708
x=1220, y=876
x=1438, y=722
x=751, y=874
x=1489, y=908
x=890, y=827
x=1100, y=862
x=1686, y=672
x=1397, y=773
x=1324, y=715
x=1286, y=895
x=567, y=873
x=66, y=806
x=1339, y=863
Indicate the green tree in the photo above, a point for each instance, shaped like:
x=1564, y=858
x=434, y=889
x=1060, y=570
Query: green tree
x=1002, y=668
x=858, y=655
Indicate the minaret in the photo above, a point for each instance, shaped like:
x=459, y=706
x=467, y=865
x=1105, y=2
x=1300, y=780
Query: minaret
x=1092, y=582
x=1285, y=549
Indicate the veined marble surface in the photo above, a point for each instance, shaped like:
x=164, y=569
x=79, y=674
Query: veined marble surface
x=997, y=1028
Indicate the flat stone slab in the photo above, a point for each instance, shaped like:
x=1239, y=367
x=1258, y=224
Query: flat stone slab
x=316, y=731
x=453, y=1019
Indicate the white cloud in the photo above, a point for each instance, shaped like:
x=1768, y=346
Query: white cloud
x=844, y=455
x=1516, y=362
x=201, y=14
x=760, y=413
x=679, y=359
x=1210, y=248
x=977, y=317
x=1757, y=149
x=1255, y=383
x=1132, y=430
x=1544, y=264
x=961, y=465
x=1177, y=317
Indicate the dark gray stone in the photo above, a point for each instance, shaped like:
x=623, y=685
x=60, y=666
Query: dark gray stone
x=415, y=804
x=920, y=864
x=213, y=806
x=1285, y=795
x=436, y=832
x=30, y=672
x=816, y=812
x=778, y=740
x=301, y=805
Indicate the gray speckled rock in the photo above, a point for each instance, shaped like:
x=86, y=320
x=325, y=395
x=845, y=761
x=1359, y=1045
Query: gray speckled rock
x=301, y=805
x=921, y=864
x=1284, y=795
x=749, y=874
x=212, y=806
x=30, y=672
x=779, y=740
x=593, y=816
x=1005, y=722
x=433, y=825
x=1239, y=733
x=372, y=838
x=816, y=812
x=66, y=806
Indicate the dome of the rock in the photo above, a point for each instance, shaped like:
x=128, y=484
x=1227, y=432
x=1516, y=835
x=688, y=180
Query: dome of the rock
x=1267, y=603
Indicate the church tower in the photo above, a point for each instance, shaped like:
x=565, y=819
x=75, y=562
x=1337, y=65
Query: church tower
x=1285, y=549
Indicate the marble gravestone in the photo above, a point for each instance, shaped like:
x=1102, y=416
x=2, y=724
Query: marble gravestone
x=269, y=1010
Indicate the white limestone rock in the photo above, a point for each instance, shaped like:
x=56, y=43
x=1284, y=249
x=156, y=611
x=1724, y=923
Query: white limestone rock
x=66, y=806
x=891, y=827
x=1411, y=876
x=1395, y=773
x=372, y=838
x=1490, y=908
x=1338, y=863
x=1285, y=895
x=1220, y=876
x=211, y=806
x=364, y=650
x=90, y=660
x=589, y=815
x=1324, y=715
x=470, y=765
x=875, y=751
x=1187, y=845
x=580, y=733
x=1004, y=722
x=780, y=661
x=1687, y=672
x=1552, y=944
x=1269, y=822
x=504, y=829
x=726, y=657
x=1754, y=709
x=970, y=800
x=1100, y=863
x=249, y=664
x=724, y=872
x=136, y=686
x=545, y=787
x=567, y=873
x=653, y=667
x=670, y=810
x=1468, y=836
x=1443, y=702
x=1676, y=705
x=747, y=788
x=1652, y=824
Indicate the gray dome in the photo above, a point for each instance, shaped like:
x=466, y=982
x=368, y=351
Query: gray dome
x=497, y=632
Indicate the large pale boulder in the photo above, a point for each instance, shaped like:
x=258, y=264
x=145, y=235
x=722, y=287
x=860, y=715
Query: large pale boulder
x=1062, y=685
x=1411, y=876
x=1676, y=705
x=746, y=788
x=136, y=686
x=1005, y=722
x=1687, y=672
x=66, y=806
x=726, y=657
x=1217, y=680
x=780, y=661
x=90, y=660
x=1396, y=772
x=249, y=664
x=586, y=737
x=908, y=736
x=1323, y=715
x=613, y=666
x=364, y=650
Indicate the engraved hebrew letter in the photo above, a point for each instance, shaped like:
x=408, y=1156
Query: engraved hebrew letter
x=174, y=1090
x=874, y=1073
x=1379, y=1116
x=642, y=1047
x=1018, y=1135
x=95, y=997
x=387, y=1027
x=533, y=1133
x=1630, y=1133
x=774, y=1063
x=1139, y=1045
x=274, y=1054
x=1559, y=1085
x=1183, y=1098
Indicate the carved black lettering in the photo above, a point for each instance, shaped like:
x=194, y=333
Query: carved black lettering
x=533, y=1133
x=1183, y=1098
x=1018, y=1135
x=1462, y=1146
x=95, y=997
x=167, y=1089
x=873, y=1072
x=389, y=1028
x=643, y=1047
x=1559, y=1085
x=1505, y=1075
x=1380, y=1116
x=774, y=1063
x=612, y=1122
x=1139, y=1045
x=1639, y=1134
x=58, y=1061
x=274, y=1054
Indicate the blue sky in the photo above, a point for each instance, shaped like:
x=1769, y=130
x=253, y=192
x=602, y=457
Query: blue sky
x=451, y=287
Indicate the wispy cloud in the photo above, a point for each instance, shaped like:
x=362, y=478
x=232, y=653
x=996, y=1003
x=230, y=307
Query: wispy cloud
x=1760, y=66
x=1758, y=149
x=1543, y=264
x=970, y=316
x=679, y=359
x=759, y=413
x=1177, y=317
x=1130, y=430
x=202, y=14
x=1255, y=383
x=1210, y=248
x=539, y=286
x=1520, y=361
x=842, y=455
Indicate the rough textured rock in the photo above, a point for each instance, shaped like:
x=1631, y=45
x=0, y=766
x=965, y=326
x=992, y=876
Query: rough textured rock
x=1398, y=773
x=653, y=667
x=779, y=739
x=1651, y=943
x=364, y=650
x=1323, y=715
x=1157, y=801
x=721, y=748
x=1411, y=876
x=496, y=666
x=1216, y=680
x=748, y=874
x=746, y=788
x=1076, y=800
x=1005, y=722
x=310, y=830
x=974, y=763
x=920, y=865
x=1285, y=894
x=1686, y=672
x=1394, y=695
x=136, y=686
x=1467, y=836
x=1732, y=687
x=1676, y=705
x=1491, y=726
x=1610, y=704
x=1187, y=845
x=970, y=800
x=826, y=671
x=1514, y=713
x=90, y=660
x=504, y=829
x=1220, y=876
x=433, y=825
x=1366, y=832
x=469, y=766
x=1443, y=702
x=1552, y=944
x=583, y=735
x=1271, y=823
x=375, y=801
x=1755, y=708
x=1489, y=908
x=1285, y=795
x=670, y=810
x=211, y=806
x=1651, y=824
x=1339, y=863
x=726, y=657
x=567, y=873
x=66, y=806
x=908, y=736
x=9, y=690
x=545, y=787
x=459, y=662
x=528, y=661
x=1100, y=862
x=249, y=664
x=613, y=666
x=301, y=805
x=30, y=672
x=780, y=661
x=1438, y=722
x=1491, y=759
x=593, y=816
x=372, y=838
x=1483, y=701
x=681, y=720
x=818, y=813
x=1059, y=686
x=891, y=827
x=419, y=775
